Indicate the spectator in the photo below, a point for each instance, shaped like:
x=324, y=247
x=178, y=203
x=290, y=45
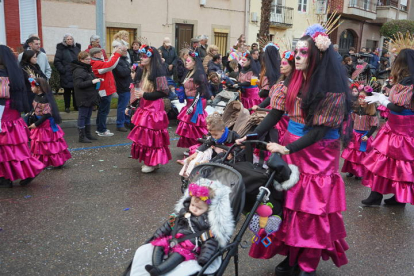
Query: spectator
x=95, y=40
x=215, y=65
x=103, y=70
x=374, y=61
x=215, y=84
x=179, y=69
x=363, y=50
x=123, y=80
x=338, y=55
x=26, y=46
x=349, y=66
x=34, y=44
x=203, y=46
x=255, y=46
x=351, y=53
x=256, y=60
x=384, y=68
x=212, y=50
x=30, y=70
x=235, y=69
x=121, y=38
x=168, y=54
x=194, y=44
x=134, y=52
x=85, y=85
x=66, y=52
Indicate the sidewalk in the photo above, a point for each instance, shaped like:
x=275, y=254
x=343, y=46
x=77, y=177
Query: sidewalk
x=71, y=119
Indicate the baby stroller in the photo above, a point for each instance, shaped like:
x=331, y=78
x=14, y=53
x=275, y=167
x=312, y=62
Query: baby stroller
x=221, y=100
x=278, y=172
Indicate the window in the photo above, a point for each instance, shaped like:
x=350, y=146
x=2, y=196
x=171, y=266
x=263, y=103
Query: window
x=220, y=39
x=28, y=19
x=110, y=32
x=303, y=6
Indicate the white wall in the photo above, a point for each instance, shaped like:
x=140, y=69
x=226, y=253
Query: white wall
x=2, y=24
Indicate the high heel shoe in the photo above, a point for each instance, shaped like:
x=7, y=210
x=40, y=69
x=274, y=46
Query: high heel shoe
x=374, y=199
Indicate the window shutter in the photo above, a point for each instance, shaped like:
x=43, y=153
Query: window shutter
x=403, y=2
x=321, y=7
x=28, y=19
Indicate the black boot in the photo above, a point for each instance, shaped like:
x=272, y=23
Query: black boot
x=303, y=273
x=374, y=199
x=157, y=255
x=88, y=133
x=26, y=181
x=349, y=175
x=169, y=264
x=284, y=269
x=358, y=178
x=5, y=183
x=82, y=136
x=393, y=201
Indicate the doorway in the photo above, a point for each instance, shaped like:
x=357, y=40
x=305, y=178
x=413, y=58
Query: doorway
x=183, y=35
x=347, y=39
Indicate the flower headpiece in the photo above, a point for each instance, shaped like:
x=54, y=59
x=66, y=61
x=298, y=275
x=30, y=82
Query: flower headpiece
x=368, y=89
x=271, y=44
x=356, y=85
x=202, y=192
x=192, y=53
x=289, y=55
x=147, y=50
x=246, y=55
x=33, y=82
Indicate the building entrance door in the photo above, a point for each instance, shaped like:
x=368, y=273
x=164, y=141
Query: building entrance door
x=346, y=40
x=183, y=35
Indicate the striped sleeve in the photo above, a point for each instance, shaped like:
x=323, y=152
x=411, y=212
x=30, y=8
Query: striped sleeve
x=373, y=120
x=402, y=95
x=331, y=111
x=278, y=96
x=162, y=85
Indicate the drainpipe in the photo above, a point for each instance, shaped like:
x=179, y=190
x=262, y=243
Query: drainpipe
x=362, y=31
x=100, y=21
x=246, y=20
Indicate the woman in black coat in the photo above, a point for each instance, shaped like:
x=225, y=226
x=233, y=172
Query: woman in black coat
x=66, y=52
x=86, y=92
x=30, y=70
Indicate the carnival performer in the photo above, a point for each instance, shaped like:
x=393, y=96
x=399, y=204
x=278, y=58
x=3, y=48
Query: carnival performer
x=287, y=66
x=271, y=70
x=313, y=227
x=150, y=138
x=385, y=89
x=16, y=160
x=246, y=81
x=47, y=142
x=365, y=122
x=192, y=117
x=390, y=164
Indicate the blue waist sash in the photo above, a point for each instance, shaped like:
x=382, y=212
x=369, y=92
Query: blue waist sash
x=250, y=86
x=363, y=145
x=52, y=123
x=405, y=112
x=298, y=129
x=198, y=109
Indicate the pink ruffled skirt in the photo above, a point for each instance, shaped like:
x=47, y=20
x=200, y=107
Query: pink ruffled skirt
x=384, y=112
x=189, y=132
x=16, y=160
x=390, y=164
x=250, y=97
x=282, y=126
x=312, y=226
x=353, y=156
x=49, y=147
x=184, y=248
x=150, y=138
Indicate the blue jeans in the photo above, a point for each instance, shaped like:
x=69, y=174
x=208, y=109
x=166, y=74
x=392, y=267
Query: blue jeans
x=84, y=116
x=123, y=100
x=103, y=111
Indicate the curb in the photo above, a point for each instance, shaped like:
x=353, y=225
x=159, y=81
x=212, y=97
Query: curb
x=74, y=123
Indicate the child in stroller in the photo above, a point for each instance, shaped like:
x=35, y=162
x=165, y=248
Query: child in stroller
x=202, y=222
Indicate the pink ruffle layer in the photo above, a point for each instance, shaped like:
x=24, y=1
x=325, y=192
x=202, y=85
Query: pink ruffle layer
x=16, y=161
x=384, y=112
x=281, y=127
x=49, y=147
x=189, y=132
x=353, y=156
x=250, y=97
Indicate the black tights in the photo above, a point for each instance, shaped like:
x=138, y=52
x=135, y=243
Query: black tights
x=68, y=92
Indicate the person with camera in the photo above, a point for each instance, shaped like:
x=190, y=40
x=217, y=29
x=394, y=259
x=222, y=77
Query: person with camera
x=86, y=94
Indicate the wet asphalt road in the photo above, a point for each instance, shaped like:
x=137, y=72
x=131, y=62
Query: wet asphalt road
x=89, y=218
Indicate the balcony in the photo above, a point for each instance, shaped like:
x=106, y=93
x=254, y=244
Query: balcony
x=281, y=17
x=361, y=9
x=388, y=10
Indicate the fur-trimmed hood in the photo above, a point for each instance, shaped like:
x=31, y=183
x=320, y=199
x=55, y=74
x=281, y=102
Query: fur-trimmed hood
x=220, y=215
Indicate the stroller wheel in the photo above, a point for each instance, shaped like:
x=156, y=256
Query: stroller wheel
x=184, y=184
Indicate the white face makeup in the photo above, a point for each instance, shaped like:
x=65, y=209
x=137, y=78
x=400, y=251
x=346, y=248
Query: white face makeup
x=244, y=62
x=301, y=55
x=285, y=67
x=145, y=60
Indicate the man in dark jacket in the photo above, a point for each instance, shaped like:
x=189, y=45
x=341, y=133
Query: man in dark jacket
x=202, y=49
x=169, y=54
x=66, y=52
x=123, y=79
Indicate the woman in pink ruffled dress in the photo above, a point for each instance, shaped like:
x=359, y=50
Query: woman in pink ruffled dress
x=150, y=138
x=317, y=100
x=16, y=161
x=47, y=142
x=390, y=165
x=192, y=117
x=250, y=93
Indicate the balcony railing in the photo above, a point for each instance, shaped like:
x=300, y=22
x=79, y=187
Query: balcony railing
x=390, y=3
x=281, y=16
x=366, y=5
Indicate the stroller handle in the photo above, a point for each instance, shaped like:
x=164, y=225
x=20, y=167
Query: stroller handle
x=260, y=109
x=263, y=143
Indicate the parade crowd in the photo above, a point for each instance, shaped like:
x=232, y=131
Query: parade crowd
x=321, y=106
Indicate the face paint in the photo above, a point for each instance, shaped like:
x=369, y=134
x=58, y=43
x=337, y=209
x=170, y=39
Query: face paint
x=189, y=63
x=301, y=55
x=355, y=92
x=361, y=100
x=285, y=67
